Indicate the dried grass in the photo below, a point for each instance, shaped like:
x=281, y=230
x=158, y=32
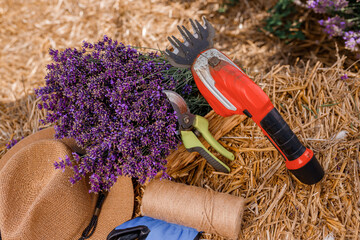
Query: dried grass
x=310, y=95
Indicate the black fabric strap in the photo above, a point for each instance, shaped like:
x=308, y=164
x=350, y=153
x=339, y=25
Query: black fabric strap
x=133, y=233
x=90, y=229
x=197, y=237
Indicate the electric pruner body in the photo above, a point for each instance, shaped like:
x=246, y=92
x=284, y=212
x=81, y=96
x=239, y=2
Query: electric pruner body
x=230, y=91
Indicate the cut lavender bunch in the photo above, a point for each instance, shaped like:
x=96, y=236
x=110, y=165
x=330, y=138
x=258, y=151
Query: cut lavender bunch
x=109, y=98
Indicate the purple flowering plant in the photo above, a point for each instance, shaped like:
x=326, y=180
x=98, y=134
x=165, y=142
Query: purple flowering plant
x=324, y=6
x=343, y=19
x=11, y=143
x=108, y=97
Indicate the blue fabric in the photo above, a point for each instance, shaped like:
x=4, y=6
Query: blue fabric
x=160, y=229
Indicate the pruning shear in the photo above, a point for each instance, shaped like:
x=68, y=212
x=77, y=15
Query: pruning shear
x=189, y=122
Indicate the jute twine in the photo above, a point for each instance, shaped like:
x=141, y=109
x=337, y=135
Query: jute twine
x=199, y=208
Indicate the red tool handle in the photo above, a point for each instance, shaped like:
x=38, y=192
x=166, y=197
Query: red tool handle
x=251, y=100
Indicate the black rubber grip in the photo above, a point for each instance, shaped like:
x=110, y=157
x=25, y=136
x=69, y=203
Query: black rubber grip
x=282, y=135
x=311, y=173
x=289, y=144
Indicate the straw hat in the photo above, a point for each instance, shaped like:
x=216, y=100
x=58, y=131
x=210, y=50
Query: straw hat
x=39, y=202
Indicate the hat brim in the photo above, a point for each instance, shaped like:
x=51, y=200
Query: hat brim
x=119, y=204
x=47, y=133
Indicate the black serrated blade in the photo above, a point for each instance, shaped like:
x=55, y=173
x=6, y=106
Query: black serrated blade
x=185, y=53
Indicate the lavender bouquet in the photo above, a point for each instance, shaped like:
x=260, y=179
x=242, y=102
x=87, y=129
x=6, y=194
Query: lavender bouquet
x=109, y=98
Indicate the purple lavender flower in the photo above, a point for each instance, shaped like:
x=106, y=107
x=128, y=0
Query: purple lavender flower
x=324, y=6
x=11, y=143
x=109, y=98
x=346, y=26
x=187, y=89
x=344, y=77
x=334, y=26
x=352, y=40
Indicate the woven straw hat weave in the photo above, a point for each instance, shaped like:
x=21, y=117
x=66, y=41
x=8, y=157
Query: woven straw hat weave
x=38, y=202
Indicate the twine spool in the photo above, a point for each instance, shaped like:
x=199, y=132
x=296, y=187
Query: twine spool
x=199, y=208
